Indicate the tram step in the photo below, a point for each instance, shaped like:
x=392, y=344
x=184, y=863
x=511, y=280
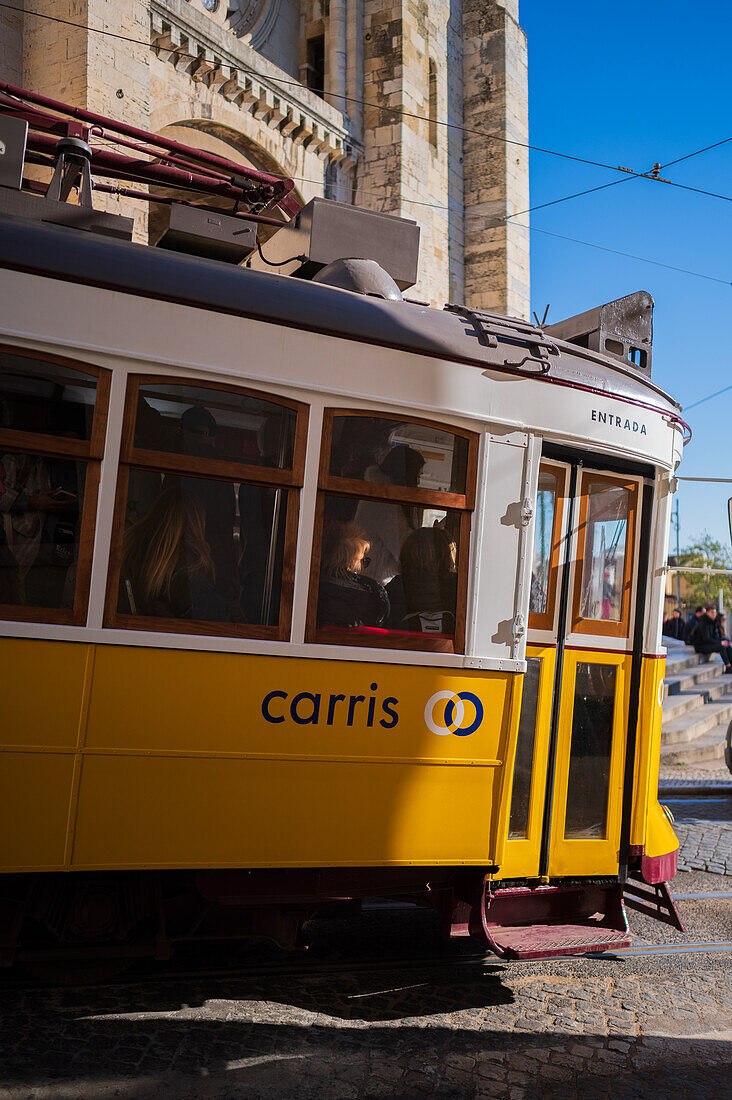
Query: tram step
x=543, y=941
x=710, y=746
x=690, y=727
x=570, y=919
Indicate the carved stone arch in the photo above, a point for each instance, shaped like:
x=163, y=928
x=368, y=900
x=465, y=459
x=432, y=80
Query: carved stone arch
x=221, y=140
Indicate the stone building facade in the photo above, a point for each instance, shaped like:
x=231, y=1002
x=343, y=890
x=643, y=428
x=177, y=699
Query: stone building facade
x=413, y=107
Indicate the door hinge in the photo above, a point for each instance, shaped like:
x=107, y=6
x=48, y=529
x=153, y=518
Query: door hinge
x=519, y=628
x=527, y=511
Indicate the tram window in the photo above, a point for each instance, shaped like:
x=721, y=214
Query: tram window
x=394, y=452
x=203, y=550
x=52, y=425
x=589, y=760
x=604, y=552
x=390, y=566
x=41, y=504
x=206, y=510
x=214, y=423
x=518, y=827
x=45, y=397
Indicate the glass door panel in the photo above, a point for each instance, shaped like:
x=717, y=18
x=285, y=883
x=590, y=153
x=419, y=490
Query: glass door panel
x=523, y=847
x=518, y=825
x=589, y=751
x=588, y=788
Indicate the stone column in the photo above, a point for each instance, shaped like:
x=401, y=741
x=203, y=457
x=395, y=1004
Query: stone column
x=496, y=174
x=404, y=171
x=336, y=64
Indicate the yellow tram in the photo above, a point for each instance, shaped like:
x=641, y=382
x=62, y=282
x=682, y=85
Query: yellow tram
x=310, y=594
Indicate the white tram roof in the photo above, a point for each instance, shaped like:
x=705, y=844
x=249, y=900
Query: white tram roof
x=505, y=345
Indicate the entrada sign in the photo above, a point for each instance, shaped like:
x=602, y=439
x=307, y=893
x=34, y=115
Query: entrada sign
x=619, y=422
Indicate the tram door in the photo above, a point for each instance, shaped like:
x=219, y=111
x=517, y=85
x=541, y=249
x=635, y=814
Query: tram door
x=567, y=795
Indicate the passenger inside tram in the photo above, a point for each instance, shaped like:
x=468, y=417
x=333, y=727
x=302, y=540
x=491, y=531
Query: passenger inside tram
x=168, y=567
x=40, y=511
x=346, y=596
x=387, y=527
x=423, y=596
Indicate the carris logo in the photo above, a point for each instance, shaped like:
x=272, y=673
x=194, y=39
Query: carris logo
x=452, y=717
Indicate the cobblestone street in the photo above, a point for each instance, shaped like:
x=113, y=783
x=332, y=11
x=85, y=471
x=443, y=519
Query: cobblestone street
x=497, y=1031
x=408, y=1018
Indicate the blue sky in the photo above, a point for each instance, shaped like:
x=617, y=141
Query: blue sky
x=635, y=84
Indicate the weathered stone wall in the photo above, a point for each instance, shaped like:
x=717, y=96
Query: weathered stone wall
x=402, y=77
x=11, y=44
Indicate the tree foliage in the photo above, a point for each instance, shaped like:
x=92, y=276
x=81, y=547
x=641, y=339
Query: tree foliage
x=697, y=588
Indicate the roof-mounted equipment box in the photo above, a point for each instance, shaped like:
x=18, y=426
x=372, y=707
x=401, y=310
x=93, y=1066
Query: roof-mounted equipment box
x=324, y=231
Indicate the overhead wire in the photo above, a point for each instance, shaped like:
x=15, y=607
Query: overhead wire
x=628, y=255
x=383, y=107
x=625, y=179
x=709, y=397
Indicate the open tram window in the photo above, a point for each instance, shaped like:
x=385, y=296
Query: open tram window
x=602, y=591
x=52, y=427
x=390, y=562
x=206, y=510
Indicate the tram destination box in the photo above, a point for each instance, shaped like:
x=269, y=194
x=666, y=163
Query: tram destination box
x=324, y=231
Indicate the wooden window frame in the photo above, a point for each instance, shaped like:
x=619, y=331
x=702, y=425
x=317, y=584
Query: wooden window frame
x=608, y=628
x=212, y=469
x=544, y=620
x=90, y=452
x=353, y=488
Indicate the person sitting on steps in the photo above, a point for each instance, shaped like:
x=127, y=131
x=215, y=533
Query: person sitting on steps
x=707, y=638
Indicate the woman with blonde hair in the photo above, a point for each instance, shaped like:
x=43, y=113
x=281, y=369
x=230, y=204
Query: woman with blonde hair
x=167, y=566
x=346, y=597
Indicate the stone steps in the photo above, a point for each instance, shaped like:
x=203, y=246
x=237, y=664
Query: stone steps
x=709, y=746
x=711, y=691
x=697, y=708
x=689, y=678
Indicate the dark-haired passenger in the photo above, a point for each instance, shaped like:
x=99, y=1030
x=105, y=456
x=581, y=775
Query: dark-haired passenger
x=387, y=526
x=423, y=596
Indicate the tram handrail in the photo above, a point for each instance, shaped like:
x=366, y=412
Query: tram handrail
x=693, y=569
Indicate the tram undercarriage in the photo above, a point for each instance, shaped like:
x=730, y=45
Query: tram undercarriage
x=91, y=925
